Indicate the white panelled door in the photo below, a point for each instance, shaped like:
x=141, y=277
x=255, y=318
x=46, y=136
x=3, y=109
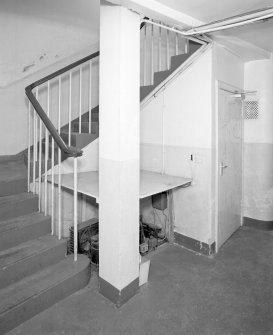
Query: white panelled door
x=230, y=153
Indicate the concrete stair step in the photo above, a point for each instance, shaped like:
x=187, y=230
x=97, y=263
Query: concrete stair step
x=145, y=90
x=33, y=294
x=29, y=257
x=23, y=228
x=12, y=206
x=193, y=47
x=94, y=115
x=13, y=177
x=160, y=76
x=176, y=61
x=79, y=140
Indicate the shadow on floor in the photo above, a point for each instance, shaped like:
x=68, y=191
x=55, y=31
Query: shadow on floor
x=231, y=293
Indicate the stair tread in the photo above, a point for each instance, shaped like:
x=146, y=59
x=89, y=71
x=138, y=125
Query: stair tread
x=21, y=221
x=16, y=198
x=77, y=133
x=31, y=286
x=28, y=249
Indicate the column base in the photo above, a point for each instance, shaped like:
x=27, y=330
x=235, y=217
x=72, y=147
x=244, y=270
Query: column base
x=116, y=296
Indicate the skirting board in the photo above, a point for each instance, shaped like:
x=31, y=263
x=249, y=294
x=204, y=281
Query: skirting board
x=116, y=296
x=194, y=245
x=258, y=224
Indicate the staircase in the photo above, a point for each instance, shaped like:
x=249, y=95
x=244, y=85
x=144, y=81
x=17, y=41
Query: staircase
x=35, y=272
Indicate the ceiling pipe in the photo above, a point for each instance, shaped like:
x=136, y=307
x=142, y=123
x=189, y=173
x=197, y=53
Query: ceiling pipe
x=232, y=22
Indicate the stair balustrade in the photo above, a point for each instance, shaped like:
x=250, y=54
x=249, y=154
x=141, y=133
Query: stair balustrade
x=158, y=44
x=60, y=105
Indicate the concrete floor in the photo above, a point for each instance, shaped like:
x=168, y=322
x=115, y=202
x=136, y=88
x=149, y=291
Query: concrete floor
x=231, y=293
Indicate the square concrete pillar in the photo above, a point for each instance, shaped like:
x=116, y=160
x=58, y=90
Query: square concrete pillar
x=119, y=153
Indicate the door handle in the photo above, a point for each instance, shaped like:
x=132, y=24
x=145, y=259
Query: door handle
x=221, y=168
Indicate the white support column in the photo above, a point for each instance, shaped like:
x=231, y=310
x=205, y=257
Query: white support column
x=119, y=153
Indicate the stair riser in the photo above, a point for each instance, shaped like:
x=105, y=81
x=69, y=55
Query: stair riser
x=160, y=76
x=14, y=237
x=13, y=187
x=15, y=209
x=32, y=264
x=178, y=60
x=42, y=301
x=80, y=140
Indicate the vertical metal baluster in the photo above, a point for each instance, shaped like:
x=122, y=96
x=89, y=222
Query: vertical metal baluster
x=40, y=158
x=47, y=145
x=152, y=54
x=59, y=167
x=159, y=49
x=80, y=103
x=176, y=44
x=69, y=108
x=34, y=150
x=28, y=148
x=75, y=208
x=52, y=186
x=186, y=46
x=167, y=50
x=90, y=96
x=144, y=54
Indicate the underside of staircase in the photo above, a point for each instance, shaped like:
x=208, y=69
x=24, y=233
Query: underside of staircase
x=35, y=271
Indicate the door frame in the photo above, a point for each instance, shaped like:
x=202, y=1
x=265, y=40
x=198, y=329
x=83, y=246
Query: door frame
x=220, y=85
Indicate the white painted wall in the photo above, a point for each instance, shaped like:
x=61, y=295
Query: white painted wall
x=14, y=103
x=258, y=172
x=38, y=38
x=175, y=125
x=35, y=34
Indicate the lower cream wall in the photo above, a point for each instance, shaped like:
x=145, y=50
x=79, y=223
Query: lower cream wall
x=258, y=143
x=258, y=181
x=192, y=205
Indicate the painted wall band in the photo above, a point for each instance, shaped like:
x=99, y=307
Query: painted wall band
x=116, y=296
x=194, y=245
x=258, y=224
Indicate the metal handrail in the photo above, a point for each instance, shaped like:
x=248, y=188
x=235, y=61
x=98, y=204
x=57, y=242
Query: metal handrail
x=68, y=150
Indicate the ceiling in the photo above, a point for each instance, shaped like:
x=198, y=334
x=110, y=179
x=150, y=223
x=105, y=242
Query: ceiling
x=259, y=34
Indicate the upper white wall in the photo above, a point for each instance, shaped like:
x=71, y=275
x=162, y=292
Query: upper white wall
x=259, y=77
x=37, y=33
x=185, y=108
